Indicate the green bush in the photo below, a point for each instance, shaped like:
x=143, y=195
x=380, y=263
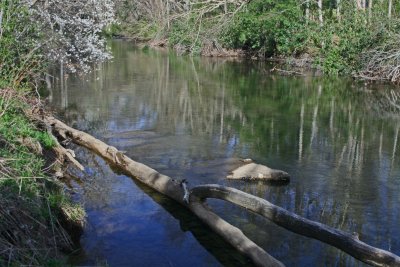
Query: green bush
x=269, y=27
x=182, y=33
x=342, y=43
x=279, y=28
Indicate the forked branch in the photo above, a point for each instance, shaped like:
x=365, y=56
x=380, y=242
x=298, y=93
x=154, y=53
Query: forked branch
x=295, y=223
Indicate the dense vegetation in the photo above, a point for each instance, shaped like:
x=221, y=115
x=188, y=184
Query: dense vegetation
x=339, y=37
x=33, y=205
x=34, y=210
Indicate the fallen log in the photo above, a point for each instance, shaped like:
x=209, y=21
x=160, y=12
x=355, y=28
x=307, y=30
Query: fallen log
x=177, y=190
x=297, y=224
x=169, y=187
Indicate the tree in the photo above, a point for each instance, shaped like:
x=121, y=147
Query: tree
x=320, y=18
x=70, y=30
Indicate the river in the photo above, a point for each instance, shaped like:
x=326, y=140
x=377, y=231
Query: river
x=192, y=118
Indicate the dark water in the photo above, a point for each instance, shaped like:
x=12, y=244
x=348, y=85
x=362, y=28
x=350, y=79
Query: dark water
x=192, y=118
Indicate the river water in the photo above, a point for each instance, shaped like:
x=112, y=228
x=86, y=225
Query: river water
x=193, y=118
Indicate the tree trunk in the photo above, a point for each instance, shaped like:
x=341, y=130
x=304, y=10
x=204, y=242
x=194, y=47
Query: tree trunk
x=169, y=187
x=1, y=21
x=321, y=20
x=168, y=12
x=363, y=4
x=177, y=190
x=226, y=7
x=390, y=9
x=370, y=2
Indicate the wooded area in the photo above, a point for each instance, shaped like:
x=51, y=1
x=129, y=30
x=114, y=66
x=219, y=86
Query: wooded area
x=356, y=37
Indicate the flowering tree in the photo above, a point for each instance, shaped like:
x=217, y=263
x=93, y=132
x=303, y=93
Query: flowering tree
x=70, y=30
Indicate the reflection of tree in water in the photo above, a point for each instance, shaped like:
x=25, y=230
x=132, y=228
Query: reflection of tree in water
x=339, y=136
x=338, y=143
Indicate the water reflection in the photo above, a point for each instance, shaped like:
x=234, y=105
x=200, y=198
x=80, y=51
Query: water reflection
x=192, y=117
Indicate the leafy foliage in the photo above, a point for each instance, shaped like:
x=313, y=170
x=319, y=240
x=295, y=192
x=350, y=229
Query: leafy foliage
x=270, y=27
x=279, y=28
x=181, y=34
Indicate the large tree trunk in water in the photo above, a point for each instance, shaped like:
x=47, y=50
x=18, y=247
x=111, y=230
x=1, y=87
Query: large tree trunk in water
x=169, y=187
x=177, y=191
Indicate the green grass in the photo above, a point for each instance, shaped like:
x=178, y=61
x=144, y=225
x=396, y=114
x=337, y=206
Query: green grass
x=14, y=124
x=30, y=196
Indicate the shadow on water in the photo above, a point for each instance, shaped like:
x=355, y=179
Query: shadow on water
x=222, y=251
x=212, y=242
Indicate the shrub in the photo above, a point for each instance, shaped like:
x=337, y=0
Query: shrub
x=269, y=27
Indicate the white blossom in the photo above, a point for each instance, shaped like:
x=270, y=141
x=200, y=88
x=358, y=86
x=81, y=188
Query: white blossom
x=71, y=30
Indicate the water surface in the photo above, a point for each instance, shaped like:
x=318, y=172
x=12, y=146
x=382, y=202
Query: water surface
x=193, y=118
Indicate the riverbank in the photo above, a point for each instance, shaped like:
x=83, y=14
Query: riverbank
x=35, y=210
x=346, y=39
x=38, y=221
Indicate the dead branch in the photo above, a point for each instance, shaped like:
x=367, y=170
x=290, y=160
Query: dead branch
x=382, y=63
x=64, y=154
x=169, y=187
x=346, y=242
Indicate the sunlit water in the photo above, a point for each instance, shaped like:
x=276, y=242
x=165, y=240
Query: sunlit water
x=193, y=118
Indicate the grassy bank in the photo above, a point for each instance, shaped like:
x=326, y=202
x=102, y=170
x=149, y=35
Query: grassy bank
x=34, y=209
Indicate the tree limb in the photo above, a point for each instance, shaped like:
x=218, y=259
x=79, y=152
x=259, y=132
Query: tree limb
x=295, y=223
x=169, y=187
